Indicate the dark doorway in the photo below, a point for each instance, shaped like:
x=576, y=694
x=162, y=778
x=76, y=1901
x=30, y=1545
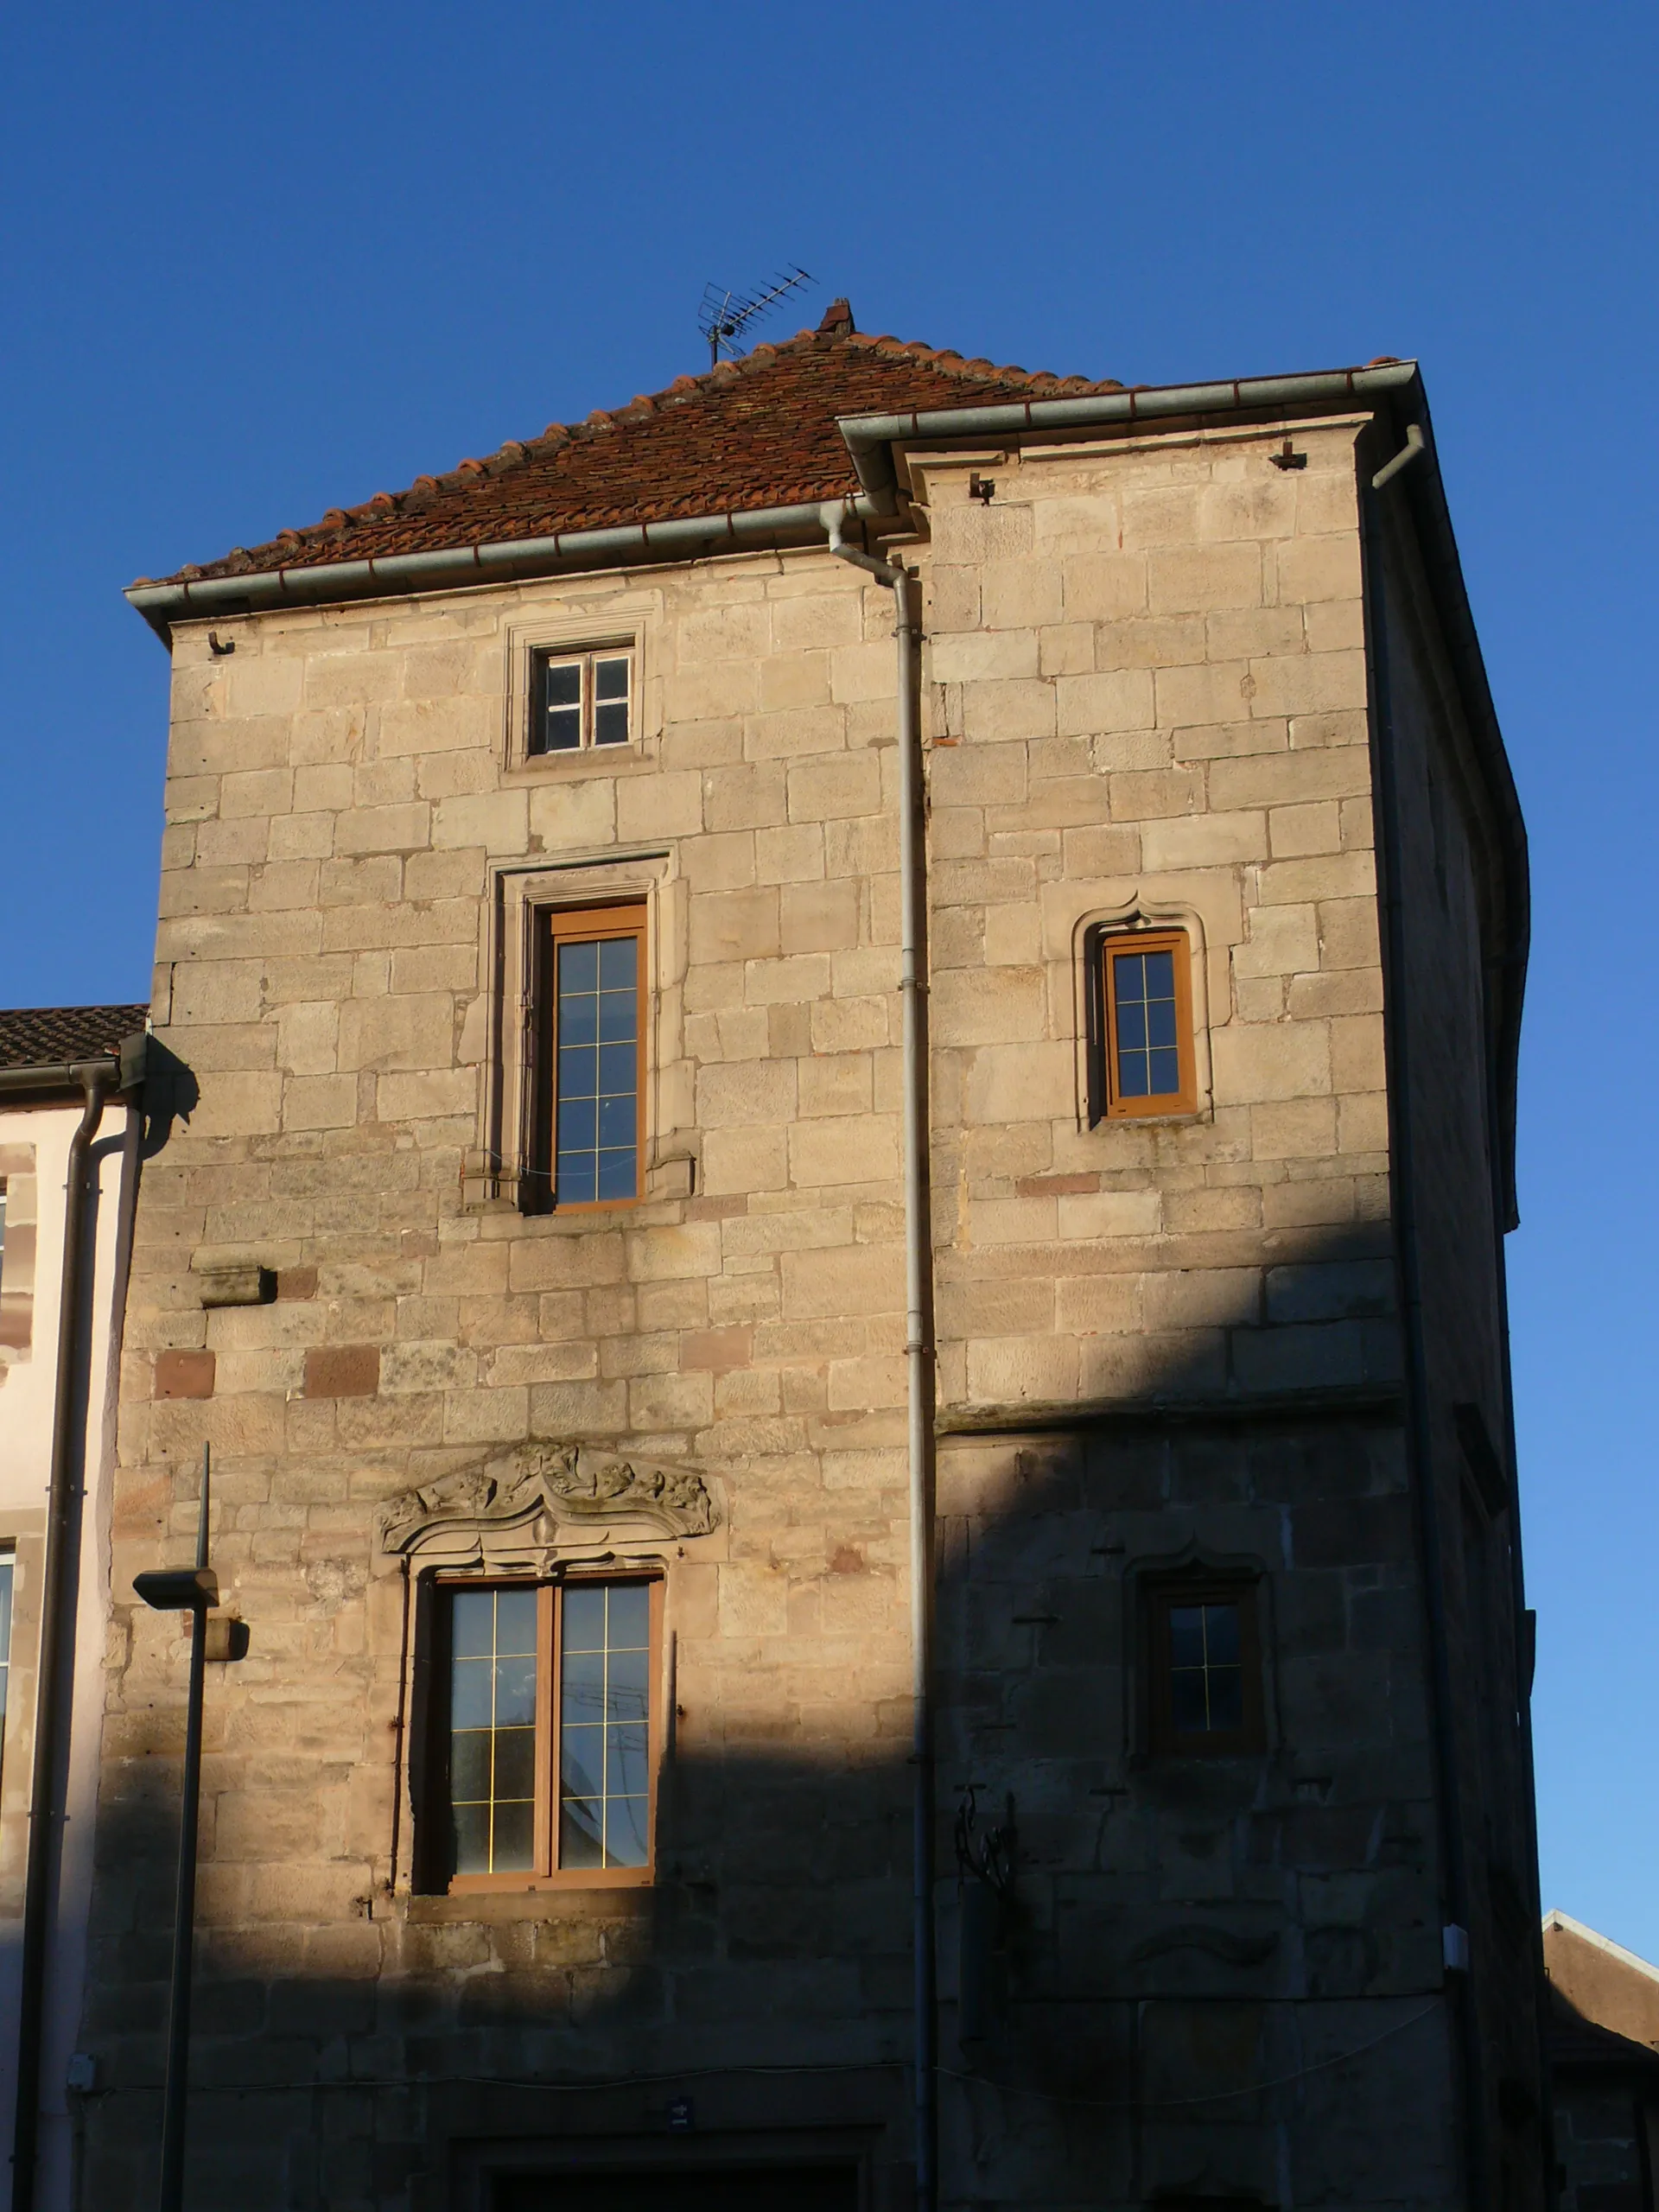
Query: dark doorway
x=732, y=2189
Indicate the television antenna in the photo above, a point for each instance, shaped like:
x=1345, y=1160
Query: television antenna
x=725, y=315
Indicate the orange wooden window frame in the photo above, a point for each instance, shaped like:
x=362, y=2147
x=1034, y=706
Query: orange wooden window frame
x=582, y=926
x=547, y=1874
x=1162, y=1736
x=1111, y=946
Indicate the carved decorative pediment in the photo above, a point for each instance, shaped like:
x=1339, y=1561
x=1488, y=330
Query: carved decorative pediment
x=525, y=1497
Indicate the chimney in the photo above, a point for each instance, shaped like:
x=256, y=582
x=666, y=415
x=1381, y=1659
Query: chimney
x=837, y=320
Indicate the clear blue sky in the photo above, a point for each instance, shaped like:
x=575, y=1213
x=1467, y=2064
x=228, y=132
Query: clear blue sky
x=262, y=262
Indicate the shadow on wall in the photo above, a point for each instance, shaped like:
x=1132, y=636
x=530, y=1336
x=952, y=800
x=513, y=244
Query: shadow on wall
x=1219, y=1976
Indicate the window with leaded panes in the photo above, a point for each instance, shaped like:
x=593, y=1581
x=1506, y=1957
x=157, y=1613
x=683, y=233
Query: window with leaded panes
x=591, y=1026
x=1205, y=1667
x=546, y=1746
x=1143, y=993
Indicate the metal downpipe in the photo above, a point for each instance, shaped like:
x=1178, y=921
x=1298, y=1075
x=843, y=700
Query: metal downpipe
x=919, y=1356
x=98, y=1080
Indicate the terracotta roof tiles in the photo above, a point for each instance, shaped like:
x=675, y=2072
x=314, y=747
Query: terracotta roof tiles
x=755, y=432
x=58, y=1036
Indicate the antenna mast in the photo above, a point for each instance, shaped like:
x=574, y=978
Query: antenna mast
x=725, y=315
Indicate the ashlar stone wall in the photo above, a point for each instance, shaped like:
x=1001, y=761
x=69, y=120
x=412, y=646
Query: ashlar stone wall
x=1145, y=697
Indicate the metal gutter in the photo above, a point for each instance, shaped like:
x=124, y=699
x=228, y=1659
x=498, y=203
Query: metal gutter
x=919, y=1345
x=868, y=437
x=450, y=568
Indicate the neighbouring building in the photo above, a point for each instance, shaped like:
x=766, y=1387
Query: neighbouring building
x=603, y=1276
x=70, y=1134
x=1604, y=2053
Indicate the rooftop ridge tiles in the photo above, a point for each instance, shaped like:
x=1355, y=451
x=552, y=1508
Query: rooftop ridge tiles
x=483, y=501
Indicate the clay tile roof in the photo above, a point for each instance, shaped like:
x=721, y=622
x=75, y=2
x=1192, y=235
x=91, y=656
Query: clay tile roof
x=755, y=432
x=56, y=1036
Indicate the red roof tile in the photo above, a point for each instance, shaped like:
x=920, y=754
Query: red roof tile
x=60, y=1036
x=755, y=432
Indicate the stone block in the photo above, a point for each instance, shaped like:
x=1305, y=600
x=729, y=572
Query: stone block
x=342, y=1370
x=1118, y=699
x=1258, y=1061
x=1194, y=579
x=184, y=1374
x=1204, y=840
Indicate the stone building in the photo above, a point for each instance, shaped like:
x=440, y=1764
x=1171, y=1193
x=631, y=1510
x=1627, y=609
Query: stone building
x=70, y=1134
x=643, y=1280
x=1604, y=2053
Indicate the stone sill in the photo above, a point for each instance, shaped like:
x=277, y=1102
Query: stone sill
x=490, y=1907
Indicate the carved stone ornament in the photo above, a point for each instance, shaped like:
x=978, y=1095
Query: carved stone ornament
x=518, y=1504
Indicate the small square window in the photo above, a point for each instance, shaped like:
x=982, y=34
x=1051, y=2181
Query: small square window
x=590, y=1023
x=544, y=1742
x=1142, y=1003
x=1205, y=1667
x=581, y=701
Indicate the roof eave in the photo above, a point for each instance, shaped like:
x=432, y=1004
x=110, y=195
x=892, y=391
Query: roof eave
x=455, y=567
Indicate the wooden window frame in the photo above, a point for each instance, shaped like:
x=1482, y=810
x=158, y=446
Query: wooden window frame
x=546, y=1873
x=543, y=658
x=1163, y=1740
x=1108, y=944
x=578, y=925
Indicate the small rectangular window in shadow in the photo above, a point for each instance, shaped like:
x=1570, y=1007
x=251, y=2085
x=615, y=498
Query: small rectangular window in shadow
x=1204, y=1662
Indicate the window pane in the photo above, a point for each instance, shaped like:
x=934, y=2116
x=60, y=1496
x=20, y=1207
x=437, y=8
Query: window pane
x=618, y=963
x=611, y=679
x=469, y=1694
x=579, y=1832
x=1221, y=1635
x=617, y=1175
x=584, y=1686
x=598, y=1108
x=1186, y=1705
x=557, y=728
x=469, y=1765
x=625, y=1762
x=584, y=1617
x=604, y=1709
x=515, y=1691
x=515, y=1621
x=472, y=1618
x=582, y=1767
x=471, y=1838
x=616, y=1071
x=579, y=967
x=629, y=1612
x=1187, y=1636
x=610, y=725
x=1226, y=1698
x=515, y=1762
x=625, y=1824
x=514, y=1842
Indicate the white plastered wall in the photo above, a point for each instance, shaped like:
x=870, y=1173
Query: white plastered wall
x=27, y=1404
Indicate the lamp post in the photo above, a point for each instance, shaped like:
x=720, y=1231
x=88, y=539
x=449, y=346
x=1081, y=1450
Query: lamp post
x=179, y=1590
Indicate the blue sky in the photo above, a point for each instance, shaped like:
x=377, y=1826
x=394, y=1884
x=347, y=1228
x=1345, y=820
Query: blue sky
x=258, y=262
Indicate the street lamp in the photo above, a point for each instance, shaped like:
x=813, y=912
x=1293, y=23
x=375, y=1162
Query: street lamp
x=193, y=1590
